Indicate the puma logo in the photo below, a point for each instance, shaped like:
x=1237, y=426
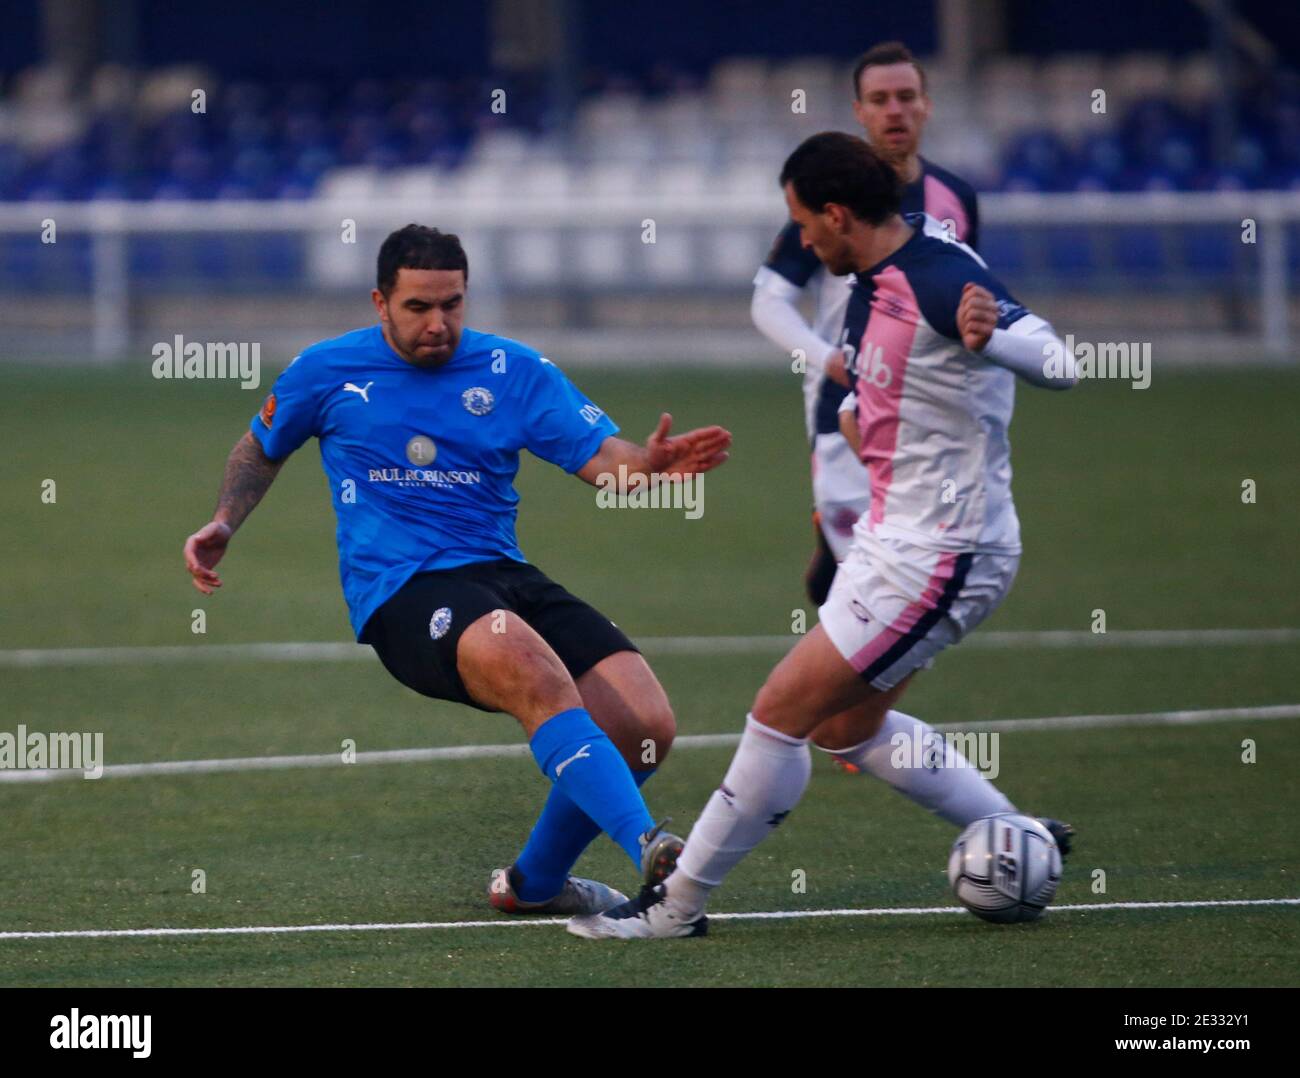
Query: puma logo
x=581, y=754
x=351, y=387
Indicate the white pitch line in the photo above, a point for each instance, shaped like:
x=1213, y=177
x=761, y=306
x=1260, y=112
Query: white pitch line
x=332, y=651
x=775, y=915
x=690, y=741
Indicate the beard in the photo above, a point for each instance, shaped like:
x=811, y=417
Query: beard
x=840, y=262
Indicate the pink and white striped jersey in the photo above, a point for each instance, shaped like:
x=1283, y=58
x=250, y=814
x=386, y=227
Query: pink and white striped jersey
x=932, y=416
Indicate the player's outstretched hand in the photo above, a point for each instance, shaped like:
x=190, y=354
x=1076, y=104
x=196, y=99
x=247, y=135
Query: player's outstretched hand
x=685, y=454
x=203, y=550
x=977, y=316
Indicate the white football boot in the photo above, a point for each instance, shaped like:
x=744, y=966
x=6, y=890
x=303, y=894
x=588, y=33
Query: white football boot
x=647, y=917
x=578, y=896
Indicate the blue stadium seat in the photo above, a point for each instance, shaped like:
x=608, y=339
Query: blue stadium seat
x=147, y=257
x=1069, y=251
x=1139, y=251
x=280, y=257
x=20, y=257
x=1209, y=250
x=211, y=255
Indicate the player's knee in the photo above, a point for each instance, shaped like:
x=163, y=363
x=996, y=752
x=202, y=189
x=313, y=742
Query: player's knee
x=545, y=684
x=769, y=705
x=834, y=736
x=851, y=728
x=658, y=730
x=538, y=684
x=780, y=708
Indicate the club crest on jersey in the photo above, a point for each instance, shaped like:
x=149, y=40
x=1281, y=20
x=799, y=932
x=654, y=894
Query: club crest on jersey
x=477, y=400
x=440, y=622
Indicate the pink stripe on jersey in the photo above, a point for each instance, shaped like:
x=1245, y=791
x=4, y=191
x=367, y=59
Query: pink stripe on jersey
x=942, y=203
x=882, y=366
x=912, y=613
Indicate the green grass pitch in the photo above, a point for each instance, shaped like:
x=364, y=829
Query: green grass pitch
x=1130, y=501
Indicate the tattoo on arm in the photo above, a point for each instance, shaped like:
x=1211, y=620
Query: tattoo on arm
x=249, y=474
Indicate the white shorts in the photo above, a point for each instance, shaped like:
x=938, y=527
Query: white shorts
x=841, y=490
x=894, y=606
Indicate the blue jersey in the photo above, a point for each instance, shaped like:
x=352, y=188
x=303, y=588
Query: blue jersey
x=421, y=461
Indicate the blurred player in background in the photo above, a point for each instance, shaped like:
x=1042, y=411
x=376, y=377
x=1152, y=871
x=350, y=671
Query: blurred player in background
x=934, y=343
x=421, y=422
x=891, y=104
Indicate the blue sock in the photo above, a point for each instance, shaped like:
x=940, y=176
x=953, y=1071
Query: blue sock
x=577, y=756
x=560, y=835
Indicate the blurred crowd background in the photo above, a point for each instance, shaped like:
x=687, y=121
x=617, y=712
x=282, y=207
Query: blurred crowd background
x=548, y=132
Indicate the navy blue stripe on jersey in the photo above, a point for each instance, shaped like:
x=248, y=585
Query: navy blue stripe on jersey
x=937, y=271
x=790, y=258
x=829, y=398
x=856, y=316
x=925, y=622
x=913, y=200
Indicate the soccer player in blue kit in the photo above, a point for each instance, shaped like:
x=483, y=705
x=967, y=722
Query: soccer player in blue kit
x=420, y=423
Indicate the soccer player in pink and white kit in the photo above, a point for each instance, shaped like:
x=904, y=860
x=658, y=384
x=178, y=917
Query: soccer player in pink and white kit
x=891, y=103
x=935, y=343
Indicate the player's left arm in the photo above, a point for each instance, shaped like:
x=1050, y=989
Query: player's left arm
x=564, y=427
x=673, y=457
x=1027, y=345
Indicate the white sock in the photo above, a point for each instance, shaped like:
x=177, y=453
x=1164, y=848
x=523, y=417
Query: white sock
x=766, y=779
x=956, y=790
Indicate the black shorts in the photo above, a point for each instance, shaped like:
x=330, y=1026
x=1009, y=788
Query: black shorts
x=416, y=631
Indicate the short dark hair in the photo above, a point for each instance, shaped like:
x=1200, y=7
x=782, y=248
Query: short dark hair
x=887, y=52
x=419, y=247
x=840, y=168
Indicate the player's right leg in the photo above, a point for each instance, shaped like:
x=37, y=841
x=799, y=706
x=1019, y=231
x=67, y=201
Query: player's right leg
x=766, y=779
x=881, y=622
x=624, y=699
x=892, y=610
x=505, y=665
x=448, y=635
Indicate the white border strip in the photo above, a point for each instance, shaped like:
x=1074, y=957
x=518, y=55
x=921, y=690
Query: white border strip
x=331, y=651
x=692, y=741
x=505, y=922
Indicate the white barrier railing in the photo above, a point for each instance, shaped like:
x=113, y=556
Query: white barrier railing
x=486, y=221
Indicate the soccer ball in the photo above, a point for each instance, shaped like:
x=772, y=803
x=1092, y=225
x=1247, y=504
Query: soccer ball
x=1005, y=868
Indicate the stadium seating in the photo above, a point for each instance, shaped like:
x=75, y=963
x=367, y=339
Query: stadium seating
x=1022, y=124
